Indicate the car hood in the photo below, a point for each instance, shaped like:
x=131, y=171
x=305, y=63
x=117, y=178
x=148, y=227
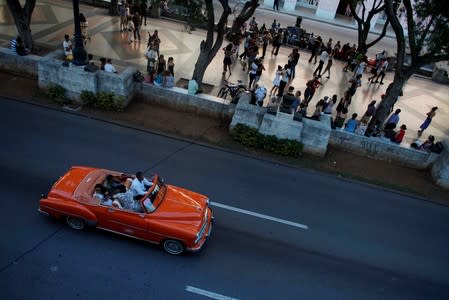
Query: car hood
x=182, y=205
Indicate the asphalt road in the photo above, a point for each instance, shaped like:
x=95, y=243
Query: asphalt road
x=361, y=242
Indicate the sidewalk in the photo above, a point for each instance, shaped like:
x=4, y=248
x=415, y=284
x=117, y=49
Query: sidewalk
x=53, y=18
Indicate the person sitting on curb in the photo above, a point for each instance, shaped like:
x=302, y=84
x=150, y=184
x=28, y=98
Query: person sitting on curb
x=67, y=46
x=108, y=67
x=91, y=66
x=351, y=125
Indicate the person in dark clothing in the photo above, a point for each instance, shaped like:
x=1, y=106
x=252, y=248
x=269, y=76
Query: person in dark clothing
x=276, y=5
x=143, y=12
x=277, y=40
x=136, y=21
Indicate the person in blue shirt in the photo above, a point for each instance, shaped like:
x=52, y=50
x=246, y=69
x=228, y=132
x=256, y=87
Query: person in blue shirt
x=351, y=125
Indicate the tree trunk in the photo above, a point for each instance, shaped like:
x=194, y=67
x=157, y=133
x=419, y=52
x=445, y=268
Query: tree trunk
x=247, y=11
x=209, y=48
x=22, y=19
x=401, y=74
x=113, y=8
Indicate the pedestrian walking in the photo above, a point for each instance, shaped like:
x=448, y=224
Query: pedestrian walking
x=130, y=28
x=227, y=61
x=382, y=70
x=310, y=90
x=136, y=21
x=430, y=115
x=316, y=49
x=328, y=66
x=285, y=77
x=276, y=5
x=277, y=40
x=370, y=111
x=143, y=12
x=293, y=59
x=324, y=56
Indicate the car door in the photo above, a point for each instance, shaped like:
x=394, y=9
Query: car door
x=127, y=222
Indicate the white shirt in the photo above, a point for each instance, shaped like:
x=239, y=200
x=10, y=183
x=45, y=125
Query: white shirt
x=67, y=45
x=361, y=68
x=138, y=187
x=324, y=56
x=109, y=68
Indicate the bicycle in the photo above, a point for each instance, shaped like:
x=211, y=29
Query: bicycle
x=232, y=89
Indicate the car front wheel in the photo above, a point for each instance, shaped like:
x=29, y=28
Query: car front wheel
x=173, y=247
x=75, y=223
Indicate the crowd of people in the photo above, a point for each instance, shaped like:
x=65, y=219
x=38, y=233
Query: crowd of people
x=255, y=41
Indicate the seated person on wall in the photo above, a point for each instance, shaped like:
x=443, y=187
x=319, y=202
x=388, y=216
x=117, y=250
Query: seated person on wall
x=91, y=66
x=398, y=137
x=169, y=80
x=351, y=125
x=108, y=67
x=67, y=46
x=258, y=94
x=193, y=87
x=287, y=100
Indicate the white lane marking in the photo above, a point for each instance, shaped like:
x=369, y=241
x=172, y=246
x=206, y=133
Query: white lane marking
x=207, y=293
x=254, y=214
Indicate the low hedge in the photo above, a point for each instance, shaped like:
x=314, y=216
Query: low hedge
x=103, y=100
x=57, y=93
x=250, y=137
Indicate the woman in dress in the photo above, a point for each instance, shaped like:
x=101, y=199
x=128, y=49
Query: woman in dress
x=427, y=121
x=276, y=80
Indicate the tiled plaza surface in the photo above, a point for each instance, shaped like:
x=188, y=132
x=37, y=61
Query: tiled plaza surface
x=54, y=18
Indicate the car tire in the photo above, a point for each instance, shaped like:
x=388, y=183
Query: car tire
x=75, y=223
x=173, y=247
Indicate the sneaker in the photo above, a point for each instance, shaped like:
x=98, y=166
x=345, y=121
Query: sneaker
x=381, y=82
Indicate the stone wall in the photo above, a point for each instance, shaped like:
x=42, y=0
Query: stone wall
x=179, y=99
x=315, y=135
x=75, y=80
x=26, y=65
x=247, y=114
x=440, y=167
x=382, y=149
x=282, y=126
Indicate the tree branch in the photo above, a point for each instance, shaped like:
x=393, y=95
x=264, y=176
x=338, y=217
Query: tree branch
x=381, y=36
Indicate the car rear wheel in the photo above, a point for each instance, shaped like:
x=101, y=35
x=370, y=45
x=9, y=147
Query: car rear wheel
x=173, y=247
x=75, y=223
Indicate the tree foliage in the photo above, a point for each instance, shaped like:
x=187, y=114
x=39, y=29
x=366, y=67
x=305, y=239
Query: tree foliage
x=247, y=11
x=428, y=41
x=364, y=19
x=22, y=19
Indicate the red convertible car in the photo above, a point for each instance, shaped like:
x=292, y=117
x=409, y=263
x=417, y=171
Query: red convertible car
x=176, y=218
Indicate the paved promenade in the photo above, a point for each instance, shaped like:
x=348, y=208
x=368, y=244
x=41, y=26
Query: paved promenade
x=54, y=18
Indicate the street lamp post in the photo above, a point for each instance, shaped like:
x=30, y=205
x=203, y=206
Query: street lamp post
x=79, y=54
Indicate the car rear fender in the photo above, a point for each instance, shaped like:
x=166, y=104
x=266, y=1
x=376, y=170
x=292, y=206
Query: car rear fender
x=60, y=208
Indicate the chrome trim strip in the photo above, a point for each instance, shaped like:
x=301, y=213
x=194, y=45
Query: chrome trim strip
x=127, y=235
x=43, y=212
x=130, y=226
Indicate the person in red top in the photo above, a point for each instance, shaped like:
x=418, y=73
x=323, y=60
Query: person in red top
x=400, y=135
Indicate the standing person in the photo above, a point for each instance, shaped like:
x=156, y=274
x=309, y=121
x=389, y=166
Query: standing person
x=427, y=121
x=293, y=59
x=310, y=90
x=155, y=40
x=277, y=39
x=344, y=103
x=285, y=77
x=393, y=120
x=382, y=70
x=324, y=56
x=122, y=13
x=316, y=49
x=370, y=111
x=245, y=47
x=276, y=5
x=161, y=64
x=171, y=66
x=330, y=105
x=136, y=21
x=151, y=56
x=355, y=83
x=143, y=12
x=329, y=66
x=266, y=38
x=360, y=69
x=227, y=61
x=276, y=80
x=130, y=28
x=252, y=74
x=260, y=69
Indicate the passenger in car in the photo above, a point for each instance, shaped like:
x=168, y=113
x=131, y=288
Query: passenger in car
x=126, y=200
x=100, y=193
x=140, y=186
x=111, y=183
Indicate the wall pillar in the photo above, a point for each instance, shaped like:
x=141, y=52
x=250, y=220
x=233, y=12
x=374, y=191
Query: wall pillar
x=289, y=5
x=326, y=9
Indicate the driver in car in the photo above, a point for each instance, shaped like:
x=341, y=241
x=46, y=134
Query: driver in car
x=140, y=185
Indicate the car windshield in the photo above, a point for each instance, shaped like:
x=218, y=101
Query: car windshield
x=155, y=194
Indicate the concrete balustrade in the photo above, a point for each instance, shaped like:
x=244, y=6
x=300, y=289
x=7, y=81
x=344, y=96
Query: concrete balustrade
x=26, y=65
x=247, y=114
x=381, y=149
x=440, y=167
